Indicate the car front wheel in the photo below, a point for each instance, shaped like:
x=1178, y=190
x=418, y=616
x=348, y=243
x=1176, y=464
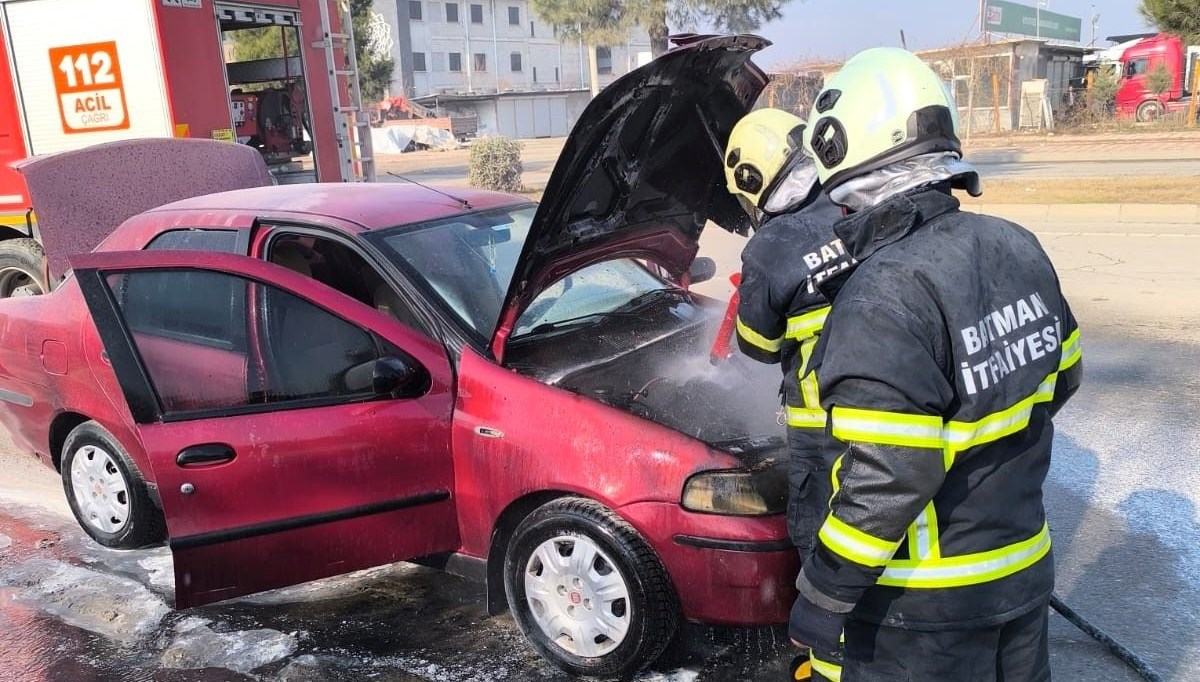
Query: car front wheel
x=106, y=492
x=588, y=591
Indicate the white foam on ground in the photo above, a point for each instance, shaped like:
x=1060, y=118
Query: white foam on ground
x=195, y=645
x=117, y=608
x=5, y=541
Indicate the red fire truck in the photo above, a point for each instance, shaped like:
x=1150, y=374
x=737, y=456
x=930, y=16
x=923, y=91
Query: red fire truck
x=75, y=73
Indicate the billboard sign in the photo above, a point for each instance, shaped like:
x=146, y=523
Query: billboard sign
x=1001, y=16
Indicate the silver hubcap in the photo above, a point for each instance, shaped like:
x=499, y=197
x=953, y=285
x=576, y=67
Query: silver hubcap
x=101, y=493
x=577, y=596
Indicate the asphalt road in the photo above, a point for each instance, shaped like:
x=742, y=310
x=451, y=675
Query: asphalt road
x=1122, y=498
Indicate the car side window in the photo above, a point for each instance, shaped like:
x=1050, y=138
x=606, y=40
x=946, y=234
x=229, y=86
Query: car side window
x=280, y=349
x=205, y=320
x=338, y=266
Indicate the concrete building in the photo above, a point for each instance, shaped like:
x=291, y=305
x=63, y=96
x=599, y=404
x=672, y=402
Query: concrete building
x=488, y=47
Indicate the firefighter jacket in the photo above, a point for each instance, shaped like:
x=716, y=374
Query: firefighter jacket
x=780, y=315
x=944, y=358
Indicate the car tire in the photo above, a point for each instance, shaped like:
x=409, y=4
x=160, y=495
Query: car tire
x=21, y=268
x=1149, y=111
x=106, y=492
x=621, y=604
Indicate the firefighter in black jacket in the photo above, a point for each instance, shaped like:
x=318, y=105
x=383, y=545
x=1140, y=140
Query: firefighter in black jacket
x=944, y=358
x=780, y=308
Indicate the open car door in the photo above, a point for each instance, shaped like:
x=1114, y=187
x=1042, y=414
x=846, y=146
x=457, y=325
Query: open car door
x=294, y=433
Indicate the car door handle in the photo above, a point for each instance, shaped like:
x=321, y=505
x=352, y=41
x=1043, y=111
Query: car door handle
x=210, y=453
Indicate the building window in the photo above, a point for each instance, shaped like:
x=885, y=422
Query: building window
x=414, y=10
x=451, y=12
x=480, y=61
x=532, y=33
x=604, y=59
x=476, y=14
x=514, y=16
x=419, y=61
x=515, y=59
x=439, y=62
x=455, y=62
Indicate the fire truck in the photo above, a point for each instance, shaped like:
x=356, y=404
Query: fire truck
x=76, y=73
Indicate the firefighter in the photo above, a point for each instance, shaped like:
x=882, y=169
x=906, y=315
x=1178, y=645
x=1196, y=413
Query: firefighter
x=944, y=359
x=780, y=307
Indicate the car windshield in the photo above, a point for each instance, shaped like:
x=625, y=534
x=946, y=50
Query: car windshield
x=468, y=261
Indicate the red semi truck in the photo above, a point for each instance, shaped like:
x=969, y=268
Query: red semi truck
x=1135, y=59
x=76, y=73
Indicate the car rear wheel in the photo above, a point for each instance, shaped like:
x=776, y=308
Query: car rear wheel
x=588, y=591
x=106, y=492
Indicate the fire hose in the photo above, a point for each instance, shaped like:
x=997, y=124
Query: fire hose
x=722, y=349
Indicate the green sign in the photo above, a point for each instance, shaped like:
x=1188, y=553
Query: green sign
x=1000, y=16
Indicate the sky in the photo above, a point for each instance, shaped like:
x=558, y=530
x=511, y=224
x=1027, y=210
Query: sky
x=834, y=29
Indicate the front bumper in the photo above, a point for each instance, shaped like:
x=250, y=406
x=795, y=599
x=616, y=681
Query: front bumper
x=726, y=570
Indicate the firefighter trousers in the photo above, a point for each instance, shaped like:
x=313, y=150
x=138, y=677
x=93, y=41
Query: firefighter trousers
x=1015, y=651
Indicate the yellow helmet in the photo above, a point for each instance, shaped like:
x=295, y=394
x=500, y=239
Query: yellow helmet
x=761, y=145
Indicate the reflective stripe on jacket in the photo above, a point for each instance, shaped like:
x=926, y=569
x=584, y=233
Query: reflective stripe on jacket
x=942, y=362
x=780, y=309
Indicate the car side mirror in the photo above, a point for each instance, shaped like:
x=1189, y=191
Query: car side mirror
x=702, y=270
x=389, y=376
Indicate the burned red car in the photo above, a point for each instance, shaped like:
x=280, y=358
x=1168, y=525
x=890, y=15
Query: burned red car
x=291, y=382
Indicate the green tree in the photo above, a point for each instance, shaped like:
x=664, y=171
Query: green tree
x=375, y=64
x=1102, y=93
x=263, y=43
x=1160, y=79
x=595, y=22
x=1181, y=17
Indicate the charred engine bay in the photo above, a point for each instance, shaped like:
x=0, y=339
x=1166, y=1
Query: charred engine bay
x=656, y=366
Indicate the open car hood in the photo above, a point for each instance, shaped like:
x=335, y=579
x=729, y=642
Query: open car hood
x=642, y=171
x=81, y=196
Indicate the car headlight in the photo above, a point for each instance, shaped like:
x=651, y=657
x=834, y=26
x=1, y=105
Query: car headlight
x=738, y=492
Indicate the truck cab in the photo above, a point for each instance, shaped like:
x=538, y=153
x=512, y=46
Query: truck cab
x=1137, y=95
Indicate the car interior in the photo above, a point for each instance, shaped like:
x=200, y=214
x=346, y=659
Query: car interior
x=339, y=267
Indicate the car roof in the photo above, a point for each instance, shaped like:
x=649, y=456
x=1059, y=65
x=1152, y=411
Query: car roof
x=371, y=206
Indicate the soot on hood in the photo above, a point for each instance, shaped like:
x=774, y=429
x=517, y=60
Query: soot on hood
x=666, y=376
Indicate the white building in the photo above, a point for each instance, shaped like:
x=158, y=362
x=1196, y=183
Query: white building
x=491, y=46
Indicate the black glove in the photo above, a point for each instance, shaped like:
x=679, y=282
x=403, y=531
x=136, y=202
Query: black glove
x=815, y=627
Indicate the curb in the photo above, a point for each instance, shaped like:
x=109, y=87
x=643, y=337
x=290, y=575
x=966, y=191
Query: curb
x=1161, y=214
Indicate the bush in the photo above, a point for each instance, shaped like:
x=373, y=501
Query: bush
x=495, y=164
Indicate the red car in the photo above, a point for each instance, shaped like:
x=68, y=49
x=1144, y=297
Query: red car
x=297, y=381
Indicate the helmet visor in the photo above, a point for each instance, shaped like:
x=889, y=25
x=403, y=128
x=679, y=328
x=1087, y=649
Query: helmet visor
x=795, y=189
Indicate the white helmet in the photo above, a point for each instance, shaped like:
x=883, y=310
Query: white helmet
x=885, y=105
